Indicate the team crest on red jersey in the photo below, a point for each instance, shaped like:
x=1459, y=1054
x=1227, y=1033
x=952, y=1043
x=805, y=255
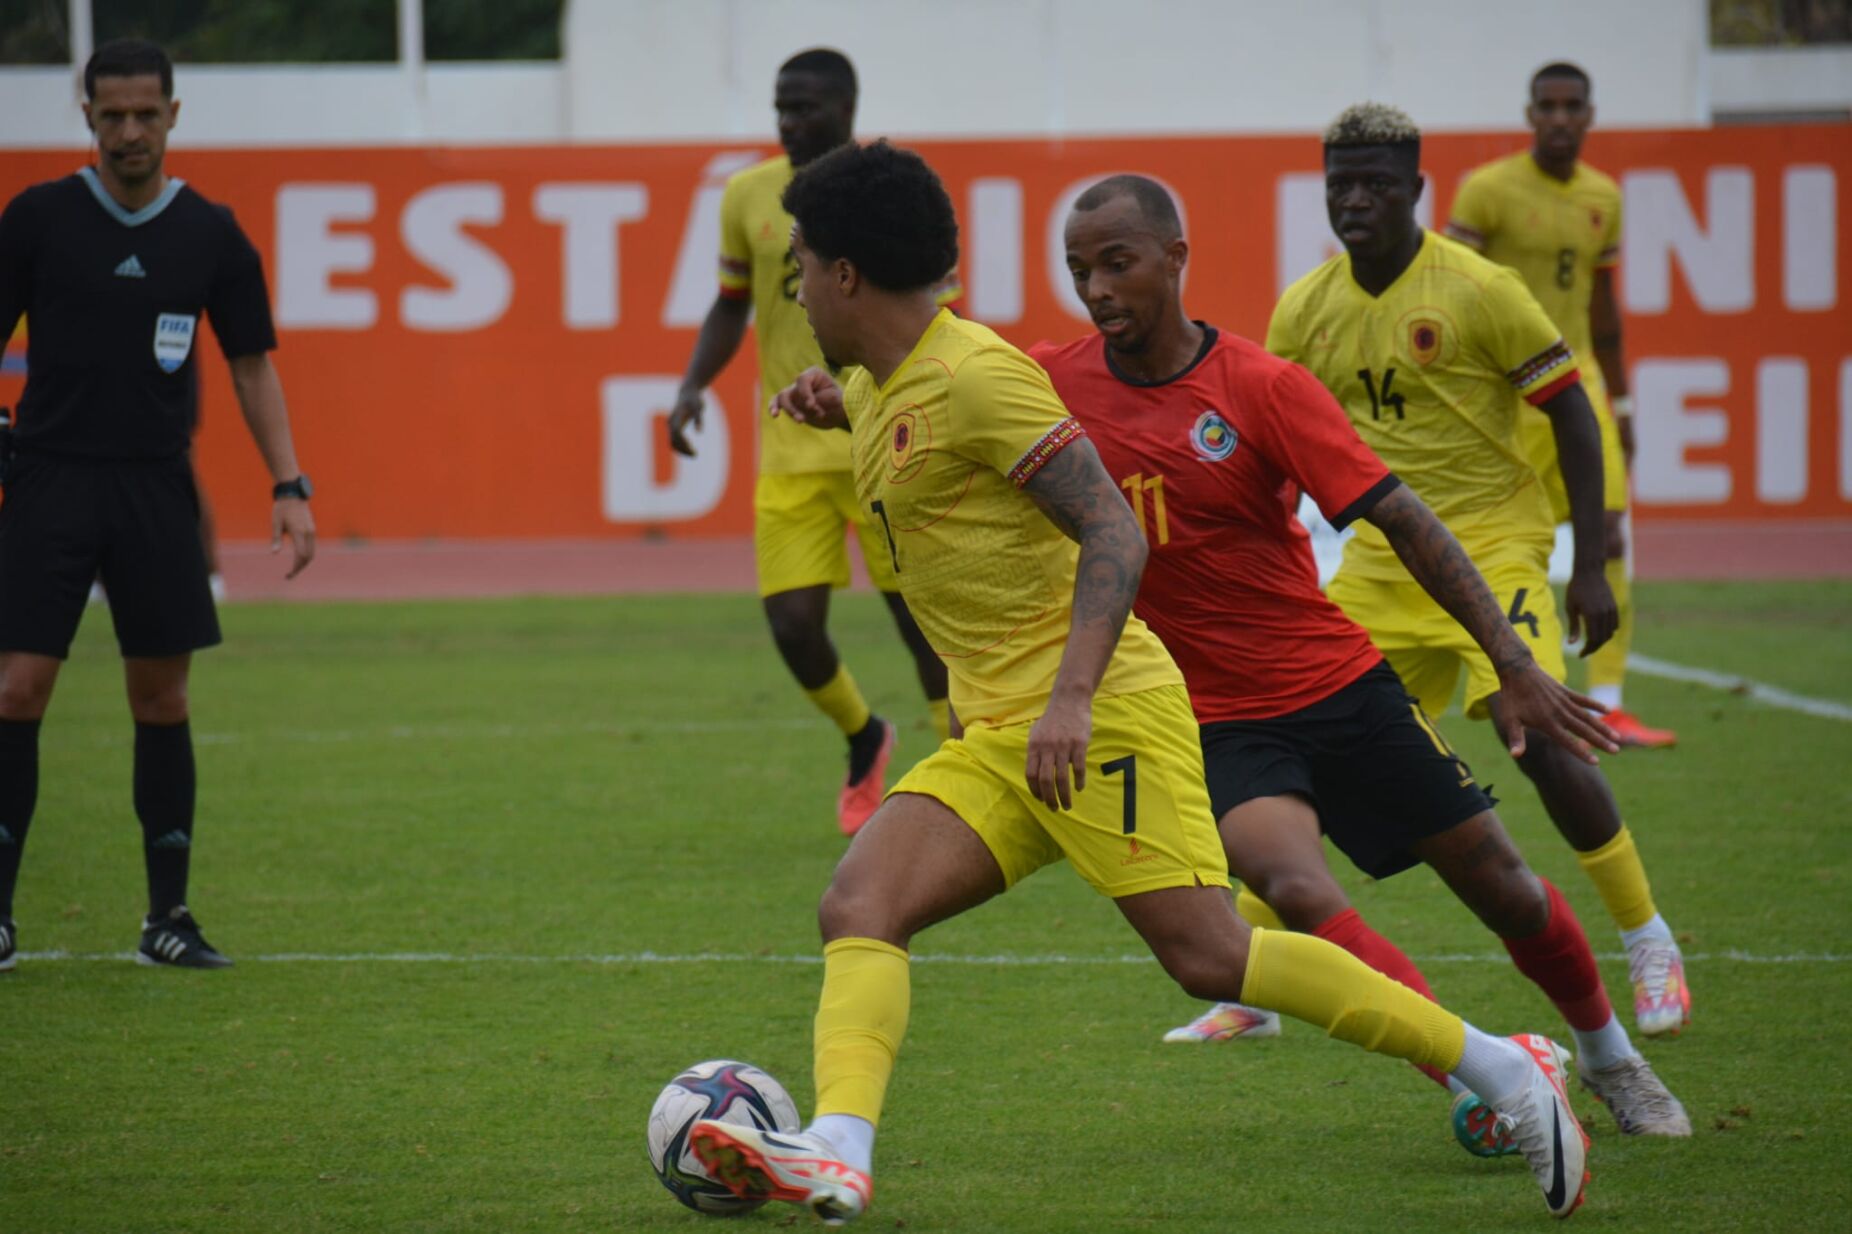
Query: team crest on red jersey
x=1212, y=436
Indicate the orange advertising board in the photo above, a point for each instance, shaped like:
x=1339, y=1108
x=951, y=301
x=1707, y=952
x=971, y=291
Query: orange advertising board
x=484, y=342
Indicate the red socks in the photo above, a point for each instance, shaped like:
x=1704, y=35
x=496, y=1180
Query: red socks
x=1349, y=931
x=1558, y=959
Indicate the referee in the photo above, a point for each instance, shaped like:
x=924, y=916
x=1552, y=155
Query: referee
x=114, y=265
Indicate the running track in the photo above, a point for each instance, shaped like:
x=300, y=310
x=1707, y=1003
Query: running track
x=407, y=570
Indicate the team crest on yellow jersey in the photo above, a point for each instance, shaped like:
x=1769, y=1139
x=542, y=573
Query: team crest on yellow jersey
x=1424, y=341
x=1213, y=437
x=1428, y=335
x=906, y=451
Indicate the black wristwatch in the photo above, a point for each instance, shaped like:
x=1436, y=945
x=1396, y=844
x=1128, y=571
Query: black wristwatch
x=299, y=488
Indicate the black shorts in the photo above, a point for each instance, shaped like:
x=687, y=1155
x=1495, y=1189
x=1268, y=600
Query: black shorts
x=1372, y=764
x=65, y=523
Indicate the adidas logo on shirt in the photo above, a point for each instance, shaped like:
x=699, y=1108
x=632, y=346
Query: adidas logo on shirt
x=131, y=268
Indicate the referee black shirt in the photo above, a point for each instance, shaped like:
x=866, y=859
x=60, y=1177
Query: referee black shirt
x=113, y=300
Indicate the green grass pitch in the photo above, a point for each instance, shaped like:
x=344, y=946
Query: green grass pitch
x=552, y=779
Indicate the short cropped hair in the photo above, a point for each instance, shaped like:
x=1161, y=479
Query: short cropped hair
x=1375, y=124
x=1562, y=69
x=129, y=58
x=882, y=208
x=830, y=65
x=1154, y=203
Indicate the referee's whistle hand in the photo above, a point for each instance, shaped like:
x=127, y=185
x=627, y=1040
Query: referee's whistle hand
x=290, y=517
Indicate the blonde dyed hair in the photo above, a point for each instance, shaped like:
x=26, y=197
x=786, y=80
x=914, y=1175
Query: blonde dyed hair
x=1372, y=124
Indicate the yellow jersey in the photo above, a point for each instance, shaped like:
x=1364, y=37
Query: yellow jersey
x=756, y=263
x=941, y=451
x=1556, y=234
x=1434, y=374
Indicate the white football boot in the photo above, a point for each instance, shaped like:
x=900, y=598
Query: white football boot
x=795, y=1166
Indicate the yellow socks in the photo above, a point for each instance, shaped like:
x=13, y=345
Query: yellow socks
x=1607, y=668
x=841, y=700
x=941, y=712
x=1315, y=981
x=1256, y=911
x=1616, y=871
x=861, y=1018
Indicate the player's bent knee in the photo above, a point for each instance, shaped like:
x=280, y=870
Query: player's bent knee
x=851, y=909
x=1304, y=899
x=1209, y=972
x=1517, y=905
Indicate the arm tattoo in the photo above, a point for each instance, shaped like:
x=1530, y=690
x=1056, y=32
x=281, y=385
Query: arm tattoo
x=1077, y=495
x=1443, y=569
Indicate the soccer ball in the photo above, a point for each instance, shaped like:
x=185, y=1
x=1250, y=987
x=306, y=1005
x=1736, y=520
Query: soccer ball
x=733, y=1092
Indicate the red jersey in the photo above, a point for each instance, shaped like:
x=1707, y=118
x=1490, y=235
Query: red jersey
x=1213, y=461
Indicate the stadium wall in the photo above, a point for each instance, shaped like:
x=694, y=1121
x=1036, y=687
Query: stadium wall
x=701, y=70
x=483, y=342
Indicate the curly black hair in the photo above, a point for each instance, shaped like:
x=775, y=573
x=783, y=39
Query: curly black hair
x=882, y=208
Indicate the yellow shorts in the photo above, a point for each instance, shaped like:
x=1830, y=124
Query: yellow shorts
x=1540, y=446
x=798, y=524
x=1142, y=823
x=1427, y=648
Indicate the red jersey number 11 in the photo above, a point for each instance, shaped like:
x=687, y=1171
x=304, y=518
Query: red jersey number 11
x=1136, y=486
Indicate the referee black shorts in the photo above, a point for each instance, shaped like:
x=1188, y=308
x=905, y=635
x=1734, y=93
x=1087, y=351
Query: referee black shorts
x=65, y=523
x=1370, y=761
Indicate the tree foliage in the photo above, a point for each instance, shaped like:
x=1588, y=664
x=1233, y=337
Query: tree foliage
x=318, y=31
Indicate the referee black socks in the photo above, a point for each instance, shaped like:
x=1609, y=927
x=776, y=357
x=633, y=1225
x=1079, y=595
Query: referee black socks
x=164, y=791
x=19, y=794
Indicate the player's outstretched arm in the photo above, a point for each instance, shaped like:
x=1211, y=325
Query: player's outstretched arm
x=1074, y=490
x=260, y=398
x=814, y=399
x=1589, y=603
x=721, y=333
x=1534, y=699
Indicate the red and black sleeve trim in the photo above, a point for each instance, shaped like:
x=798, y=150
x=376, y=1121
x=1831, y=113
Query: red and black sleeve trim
x=1364, y=504
x=1556, y=353
x=1543, y=394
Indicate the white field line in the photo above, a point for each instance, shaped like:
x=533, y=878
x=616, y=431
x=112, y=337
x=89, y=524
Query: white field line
x=1771, y=696
x=474, y=732
x=1731, y=955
